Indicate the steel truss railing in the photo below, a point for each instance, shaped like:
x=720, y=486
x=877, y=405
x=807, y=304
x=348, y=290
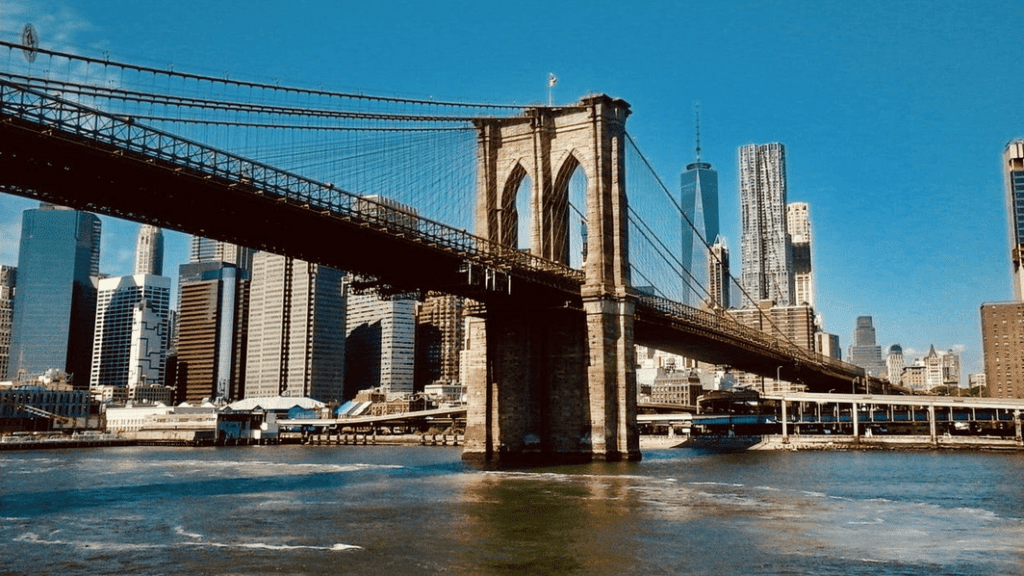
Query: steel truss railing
x=52, y=113
x=723, y=325
x=125, y=135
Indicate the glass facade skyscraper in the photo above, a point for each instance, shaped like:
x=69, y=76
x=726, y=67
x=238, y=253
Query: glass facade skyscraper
x=54, y=314
x=210, y=335
x=699, y=186
x=1013, y=169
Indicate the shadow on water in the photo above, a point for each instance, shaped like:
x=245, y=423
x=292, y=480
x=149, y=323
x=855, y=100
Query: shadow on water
x=548, y=520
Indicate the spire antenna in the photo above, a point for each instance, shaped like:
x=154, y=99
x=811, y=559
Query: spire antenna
x=697, y=113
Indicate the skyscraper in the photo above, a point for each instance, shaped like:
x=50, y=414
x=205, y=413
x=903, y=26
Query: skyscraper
x=148, y=346
x=864, y=352
x=149, y=251
x=115, y=315
x=798, y=224
x=719, y=280
x=767, y=254
x=380, y=344
x=207, y=250
x=209, y=336
x=828, y=345
x=295, y=345
x=58, y=263
x=894, y=364
x=1013, y=170
x=699, y=186
x=935, y=370
x=8, y=279
x=1002, y=339
x=439, y=339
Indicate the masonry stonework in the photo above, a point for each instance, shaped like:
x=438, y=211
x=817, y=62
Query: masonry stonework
x=556, y=383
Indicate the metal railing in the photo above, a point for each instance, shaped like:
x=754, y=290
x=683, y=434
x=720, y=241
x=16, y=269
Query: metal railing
x=722, y=324
x=52, y=113
x=48, y=112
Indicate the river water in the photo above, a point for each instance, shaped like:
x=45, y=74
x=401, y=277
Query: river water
x=420, y=510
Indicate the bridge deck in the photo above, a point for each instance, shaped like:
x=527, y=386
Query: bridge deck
x=72, y=155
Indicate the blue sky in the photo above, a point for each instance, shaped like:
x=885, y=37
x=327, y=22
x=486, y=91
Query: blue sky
x=894, y=114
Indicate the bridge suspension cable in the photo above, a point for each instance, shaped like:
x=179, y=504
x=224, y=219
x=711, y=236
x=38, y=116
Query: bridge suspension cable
x=656, y=221
x=86, y=91
x=106, y=63
x=411, y=162
x=412, y=151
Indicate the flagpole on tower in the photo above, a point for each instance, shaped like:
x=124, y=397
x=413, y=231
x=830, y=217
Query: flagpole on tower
x=552, y=80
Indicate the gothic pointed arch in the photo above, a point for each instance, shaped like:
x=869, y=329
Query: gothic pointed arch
x=568, y=211
x=514, y=215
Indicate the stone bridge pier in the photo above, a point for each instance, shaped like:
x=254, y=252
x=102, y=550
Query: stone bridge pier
x=553, y=383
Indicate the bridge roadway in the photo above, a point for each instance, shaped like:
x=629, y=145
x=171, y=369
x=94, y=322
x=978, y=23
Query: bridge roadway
x=67, y=154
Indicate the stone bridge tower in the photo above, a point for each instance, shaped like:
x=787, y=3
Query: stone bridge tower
x=555, y=383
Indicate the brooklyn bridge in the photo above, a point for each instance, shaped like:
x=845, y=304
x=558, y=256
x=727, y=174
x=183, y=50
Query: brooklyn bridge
x=548, y=218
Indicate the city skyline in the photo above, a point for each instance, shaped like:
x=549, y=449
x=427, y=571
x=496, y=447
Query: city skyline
x=894, y=122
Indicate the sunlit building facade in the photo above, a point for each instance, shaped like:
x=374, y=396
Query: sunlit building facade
x=149, y=251
x=795, y=324
x=295, y=345
x=767, y=255
x=380, y=344
x=210, y=344
x=894, y=364
x=1013, y=171
x=148, y=347
x=115, y=316
x=440, y=336
x=798, y=224
x=1002, y=339
x=828, y=345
